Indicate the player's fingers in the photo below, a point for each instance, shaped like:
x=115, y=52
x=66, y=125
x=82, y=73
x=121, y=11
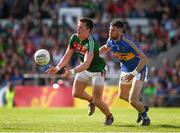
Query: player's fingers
x=126, y=78
x=50, y=70
x=63, y=75
x=47, y=71
x=50, y=66
x=126, y=75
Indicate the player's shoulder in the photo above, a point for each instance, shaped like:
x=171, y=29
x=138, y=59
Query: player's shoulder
x=72, y=39
x=91, y=38
x=74, y=36
x=129, y=42
x=126, y=38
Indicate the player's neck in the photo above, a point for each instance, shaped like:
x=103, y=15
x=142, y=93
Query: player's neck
x=84, y=37
x=119, y=38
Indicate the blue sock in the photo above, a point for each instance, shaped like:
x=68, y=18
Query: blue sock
x=144, y=114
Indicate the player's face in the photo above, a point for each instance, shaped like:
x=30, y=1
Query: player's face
x=114, y=32
x=82, y=30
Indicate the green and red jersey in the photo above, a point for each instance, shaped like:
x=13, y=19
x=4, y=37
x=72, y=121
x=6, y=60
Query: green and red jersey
x=88, y=45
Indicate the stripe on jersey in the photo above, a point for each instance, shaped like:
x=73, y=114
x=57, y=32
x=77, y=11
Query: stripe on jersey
x=124, y=56
x=131, y=44
x=91, y=44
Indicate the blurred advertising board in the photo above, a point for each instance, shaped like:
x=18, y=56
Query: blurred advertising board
x=43, y=96
x=109, y=96
x=46, y=96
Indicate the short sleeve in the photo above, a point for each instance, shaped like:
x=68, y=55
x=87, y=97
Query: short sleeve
x=91, y=44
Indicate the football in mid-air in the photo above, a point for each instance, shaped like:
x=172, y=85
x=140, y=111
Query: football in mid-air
x=42, y=57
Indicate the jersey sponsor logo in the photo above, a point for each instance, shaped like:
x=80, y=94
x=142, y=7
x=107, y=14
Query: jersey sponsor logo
x=124, y=56
x=82, y=49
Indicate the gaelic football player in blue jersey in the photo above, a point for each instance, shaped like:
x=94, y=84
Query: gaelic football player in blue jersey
x=133, y=67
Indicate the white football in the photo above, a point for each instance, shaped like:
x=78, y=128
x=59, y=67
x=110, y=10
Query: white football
x=42, y=57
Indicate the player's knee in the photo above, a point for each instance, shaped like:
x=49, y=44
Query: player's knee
x=121, y=96
x=132, y=101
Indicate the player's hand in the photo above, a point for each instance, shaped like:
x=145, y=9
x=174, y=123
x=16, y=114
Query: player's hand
x=52, y=70
x=128, y=77
x=66, y=74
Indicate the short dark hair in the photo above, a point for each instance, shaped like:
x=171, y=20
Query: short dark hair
x=118, y=23
x=88, y=21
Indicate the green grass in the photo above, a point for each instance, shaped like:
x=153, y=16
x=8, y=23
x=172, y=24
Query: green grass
x=76, y=120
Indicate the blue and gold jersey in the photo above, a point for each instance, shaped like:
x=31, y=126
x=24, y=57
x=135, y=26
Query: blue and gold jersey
x=125, y=51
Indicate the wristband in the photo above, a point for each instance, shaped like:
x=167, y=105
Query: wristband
x=72, y=71
x=58, y=67
x=135, y=72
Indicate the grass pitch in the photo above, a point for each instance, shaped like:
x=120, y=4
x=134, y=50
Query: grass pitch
x=77, y=120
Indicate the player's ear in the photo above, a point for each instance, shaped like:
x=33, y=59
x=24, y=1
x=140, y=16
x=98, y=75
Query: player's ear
x=89, y=30
x=121, y=30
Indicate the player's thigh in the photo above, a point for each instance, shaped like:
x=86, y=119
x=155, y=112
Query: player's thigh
x=135, y=91
x=79, y=87
x=81, y=81
x=123, y=92
x=137, y=84
x=98, y=86
x=124, y=87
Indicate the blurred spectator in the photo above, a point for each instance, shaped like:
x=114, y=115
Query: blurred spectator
x=16, y=77
x=57, y=54
x=174, y=92
x=4, y=9
x=161, y=91
x=9, y=97
x=19, y=8
x=149, y=92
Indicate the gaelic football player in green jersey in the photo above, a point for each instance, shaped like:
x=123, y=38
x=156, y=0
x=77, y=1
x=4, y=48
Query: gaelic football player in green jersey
x=90, y=70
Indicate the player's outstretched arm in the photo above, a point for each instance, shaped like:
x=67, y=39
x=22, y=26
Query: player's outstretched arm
x=87, y=61
x=104, y=49
x=83, y=66
x=66, y=58
x=63, y=62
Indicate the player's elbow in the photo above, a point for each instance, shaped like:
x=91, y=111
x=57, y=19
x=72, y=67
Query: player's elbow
x=86, y=65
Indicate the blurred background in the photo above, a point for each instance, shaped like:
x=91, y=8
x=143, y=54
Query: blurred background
x=28, y=25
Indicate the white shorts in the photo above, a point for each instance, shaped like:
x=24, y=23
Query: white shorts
x=140, y=76
x=94, y=78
